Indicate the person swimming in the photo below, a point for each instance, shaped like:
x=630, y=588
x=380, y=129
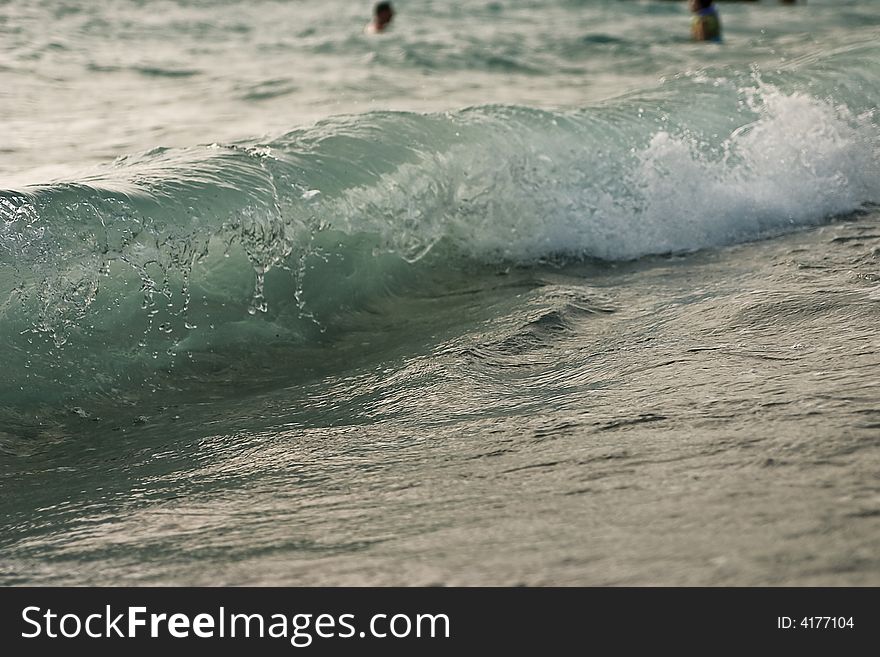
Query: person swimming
x=383, y=13
x=706, y=24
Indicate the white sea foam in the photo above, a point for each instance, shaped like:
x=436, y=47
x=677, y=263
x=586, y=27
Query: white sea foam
x=525, y=193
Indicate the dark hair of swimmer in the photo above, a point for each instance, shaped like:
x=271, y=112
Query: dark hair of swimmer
x=383, y=8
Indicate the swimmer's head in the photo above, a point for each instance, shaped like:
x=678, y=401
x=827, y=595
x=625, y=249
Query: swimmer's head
x=697, y=5
x=382, y=14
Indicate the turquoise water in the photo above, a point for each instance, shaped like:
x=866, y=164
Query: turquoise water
x=507, y=295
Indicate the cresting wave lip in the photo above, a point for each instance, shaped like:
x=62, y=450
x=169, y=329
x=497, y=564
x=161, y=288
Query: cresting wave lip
x=166, y=252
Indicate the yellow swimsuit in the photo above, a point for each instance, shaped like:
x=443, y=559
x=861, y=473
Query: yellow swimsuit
x=711, y=25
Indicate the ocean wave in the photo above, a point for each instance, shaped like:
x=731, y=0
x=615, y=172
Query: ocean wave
x=168, y=251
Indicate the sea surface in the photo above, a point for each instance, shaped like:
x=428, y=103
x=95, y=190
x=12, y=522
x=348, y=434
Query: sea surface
x=516, y=293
